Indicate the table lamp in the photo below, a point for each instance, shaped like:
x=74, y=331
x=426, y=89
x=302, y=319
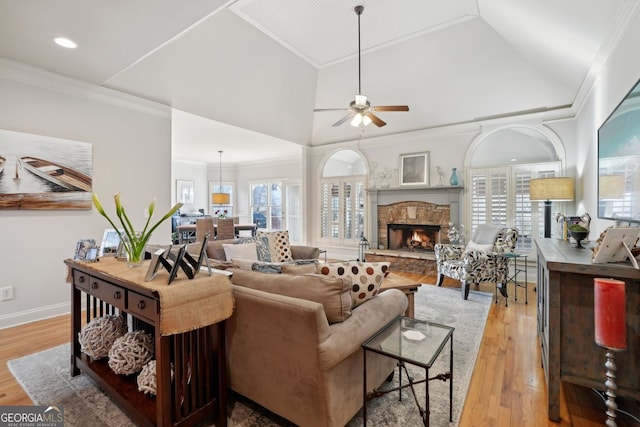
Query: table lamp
x=610, y=326
x=556, y=189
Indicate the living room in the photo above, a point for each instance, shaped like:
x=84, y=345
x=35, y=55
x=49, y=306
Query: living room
x=133, y=136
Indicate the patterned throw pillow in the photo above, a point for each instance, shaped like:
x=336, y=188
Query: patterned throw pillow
x=279, y=245
x=366, y=277
x=262, y=246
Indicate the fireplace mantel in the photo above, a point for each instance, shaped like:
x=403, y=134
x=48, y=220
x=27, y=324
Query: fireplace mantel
x=439, y=195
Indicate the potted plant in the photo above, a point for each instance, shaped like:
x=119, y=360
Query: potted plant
x=134, y=241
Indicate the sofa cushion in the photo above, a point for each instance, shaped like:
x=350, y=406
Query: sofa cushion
x=366, y=277
x=245, y=251
x=334, y=293
x=279, y=245
x=298, y=268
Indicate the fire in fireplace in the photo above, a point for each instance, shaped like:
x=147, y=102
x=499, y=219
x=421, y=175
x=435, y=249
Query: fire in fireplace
x=412, y=237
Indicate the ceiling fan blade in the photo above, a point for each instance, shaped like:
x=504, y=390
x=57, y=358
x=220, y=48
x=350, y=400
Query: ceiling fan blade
x=391, y=108
x=375, y=119
x=344, y=119
x=331, y=109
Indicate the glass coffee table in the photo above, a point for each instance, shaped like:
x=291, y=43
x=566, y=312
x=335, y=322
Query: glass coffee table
x=416, y=342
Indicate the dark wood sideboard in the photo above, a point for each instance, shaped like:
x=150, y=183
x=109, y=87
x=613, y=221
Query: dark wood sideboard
x=191, y=366
x=566, y=321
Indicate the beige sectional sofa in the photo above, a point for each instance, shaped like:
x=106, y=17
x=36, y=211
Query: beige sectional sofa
x=294, y=344
x=215, y=250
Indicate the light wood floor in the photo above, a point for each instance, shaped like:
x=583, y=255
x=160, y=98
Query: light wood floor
x=507, y=387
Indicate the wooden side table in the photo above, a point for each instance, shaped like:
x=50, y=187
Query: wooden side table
x=407, y=286
x=191, y=366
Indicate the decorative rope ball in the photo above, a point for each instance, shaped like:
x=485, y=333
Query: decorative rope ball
x=130, y=352
x=98, y=335
x=147, y=378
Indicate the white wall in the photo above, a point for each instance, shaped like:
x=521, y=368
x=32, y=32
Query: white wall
x=618, y=76
x=197, y=173
x=131, y=155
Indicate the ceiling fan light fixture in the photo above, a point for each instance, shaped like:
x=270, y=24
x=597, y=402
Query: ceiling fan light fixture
x=360, y=109
x=361, y=100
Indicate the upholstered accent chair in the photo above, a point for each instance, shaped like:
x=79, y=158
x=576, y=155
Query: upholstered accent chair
x=480, y=261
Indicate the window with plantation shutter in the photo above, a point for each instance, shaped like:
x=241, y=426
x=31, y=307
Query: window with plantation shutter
x=342, y=198
x=342, y=204
x=488, y=197
x=501, y=196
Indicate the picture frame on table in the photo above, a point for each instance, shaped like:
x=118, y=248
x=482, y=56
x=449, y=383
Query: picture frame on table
x=184, y=191
x=110, y=243
x=614, y=245
x=86, y=250
x=414, y=169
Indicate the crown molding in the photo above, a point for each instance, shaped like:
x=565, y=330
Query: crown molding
x=37, y=77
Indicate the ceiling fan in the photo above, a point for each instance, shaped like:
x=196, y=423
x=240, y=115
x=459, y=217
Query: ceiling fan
x=360, y=110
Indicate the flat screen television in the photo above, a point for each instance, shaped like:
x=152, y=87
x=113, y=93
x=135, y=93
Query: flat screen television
x=619, y=161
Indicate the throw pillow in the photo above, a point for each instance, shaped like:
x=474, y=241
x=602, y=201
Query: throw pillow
x=473, y=246
x=262, y=246
x=246, y=251
x=366, y=277
x=279, y=245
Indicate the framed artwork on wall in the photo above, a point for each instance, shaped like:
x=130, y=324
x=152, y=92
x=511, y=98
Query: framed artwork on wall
x=43, y=172
x=184, y=191
x=414, y=168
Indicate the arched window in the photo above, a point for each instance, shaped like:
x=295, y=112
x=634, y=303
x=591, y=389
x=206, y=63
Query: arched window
x=499, y=166
x=342, y=197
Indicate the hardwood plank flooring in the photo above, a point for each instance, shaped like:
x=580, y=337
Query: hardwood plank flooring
x=507, y=387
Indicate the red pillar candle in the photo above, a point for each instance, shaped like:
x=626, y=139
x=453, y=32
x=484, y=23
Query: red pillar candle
x=610, y=313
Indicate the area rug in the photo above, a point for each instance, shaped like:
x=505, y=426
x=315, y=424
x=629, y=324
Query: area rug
x=45, y=375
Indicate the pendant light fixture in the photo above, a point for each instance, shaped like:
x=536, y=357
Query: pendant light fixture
x=220, y=198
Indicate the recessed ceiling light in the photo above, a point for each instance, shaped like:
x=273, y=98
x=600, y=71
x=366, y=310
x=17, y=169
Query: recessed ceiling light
x=514, y=160
x=65, y=42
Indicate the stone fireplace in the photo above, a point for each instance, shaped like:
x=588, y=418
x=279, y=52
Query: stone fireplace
x=412, y=237
x=410, y=221
x=398, y=220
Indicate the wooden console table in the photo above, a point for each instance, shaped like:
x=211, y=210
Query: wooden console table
x=190, y=361
x=565, y=321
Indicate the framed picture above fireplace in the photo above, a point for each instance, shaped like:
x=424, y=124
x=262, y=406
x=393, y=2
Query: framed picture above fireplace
x=414, y=168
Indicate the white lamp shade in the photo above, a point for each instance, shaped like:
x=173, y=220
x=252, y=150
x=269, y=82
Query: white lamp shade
x=557, y=189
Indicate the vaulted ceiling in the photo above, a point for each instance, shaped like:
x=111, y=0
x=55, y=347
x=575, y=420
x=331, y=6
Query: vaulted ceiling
x=264, y=65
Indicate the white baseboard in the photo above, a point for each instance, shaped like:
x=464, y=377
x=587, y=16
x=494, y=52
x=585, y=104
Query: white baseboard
x=28, y=316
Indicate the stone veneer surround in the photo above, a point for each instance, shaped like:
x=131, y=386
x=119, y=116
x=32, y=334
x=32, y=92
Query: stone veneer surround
x=435, y=201
x=433, y=206
x=426, y=214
